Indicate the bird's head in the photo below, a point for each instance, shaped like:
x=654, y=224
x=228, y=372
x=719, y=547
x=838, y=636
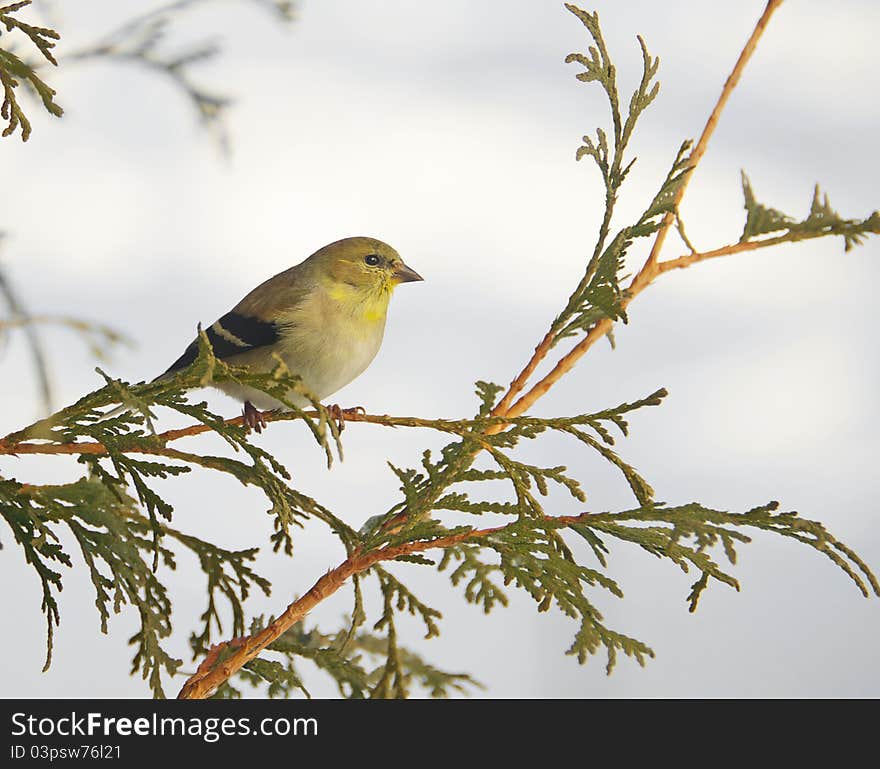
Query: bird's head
x=364, y=264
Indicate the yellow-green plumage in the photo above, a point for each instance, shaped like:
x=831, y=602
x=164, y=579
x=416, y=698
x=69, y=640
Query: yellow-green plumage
x=325, y=317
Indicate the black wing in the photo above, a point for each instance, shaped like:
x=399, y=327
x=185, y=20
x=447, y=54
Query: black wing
x=232, y=335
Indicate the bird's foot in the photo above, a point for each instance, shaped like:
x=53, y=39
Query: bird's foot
x=340, y=414
x=254, y=418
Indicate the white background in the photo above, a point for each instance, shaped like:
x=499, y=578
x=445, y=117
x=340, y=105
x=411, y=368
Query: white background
x=449, y=130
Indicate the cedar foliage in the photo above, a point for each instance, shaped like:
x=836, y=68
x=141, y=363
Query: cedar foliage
x=122, y=525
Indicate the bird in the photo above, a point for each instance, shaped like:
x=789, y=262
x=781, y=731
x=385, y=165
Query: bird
x=324, y=317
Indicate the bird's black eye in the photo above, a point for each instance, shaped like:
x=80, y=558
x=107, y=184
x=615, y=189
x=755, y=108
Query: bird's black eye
x=372, y=259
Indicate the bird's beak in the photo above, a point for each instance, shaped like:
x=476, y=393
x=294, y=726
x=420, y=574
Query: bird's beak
x=404, y=274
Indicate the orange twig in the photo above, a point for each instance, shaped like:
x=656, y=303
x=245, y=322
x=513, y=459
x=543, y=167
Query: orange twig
x=747, y=245
x=517, y=385
x=11, y=446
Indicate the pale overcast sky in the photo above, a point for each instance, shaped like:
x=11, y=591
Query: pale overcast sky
x=449, y=130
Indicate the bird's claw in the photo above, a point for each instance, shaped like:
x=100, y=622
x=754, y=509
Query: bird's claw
x=340, y=414
x=254, y=418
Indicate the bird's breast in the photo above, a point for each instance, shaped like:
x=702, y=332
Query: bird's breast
x=330, y=341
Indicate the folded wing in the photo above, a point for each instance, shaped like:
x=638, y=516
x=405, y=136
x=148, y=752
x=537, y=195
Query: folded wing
x=232, y=335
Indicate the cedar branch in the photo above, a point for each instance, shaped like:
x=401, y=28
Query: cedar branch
x=651, y=268
x=204, y=682
x=242, y=650
x=11, y=446
x=506, y=406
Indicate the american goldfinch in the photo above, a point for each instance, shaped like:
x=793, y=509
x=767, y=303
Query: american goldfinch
x=324, y=317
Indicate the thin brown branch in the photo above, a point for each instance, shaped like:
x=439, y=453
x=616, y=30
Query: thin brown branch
x=735, y=248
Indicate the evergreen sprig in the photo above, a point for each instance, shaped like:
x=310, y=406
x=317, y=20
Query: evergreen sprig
x=822, y=220
x=708, y=527
x=122, y=539
x=398, y=598
x=113, y=540
x=599, y=295
x=116, y=543
x=479, y=588
x=533, y=558
x=14, y=71
x=229, y=576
